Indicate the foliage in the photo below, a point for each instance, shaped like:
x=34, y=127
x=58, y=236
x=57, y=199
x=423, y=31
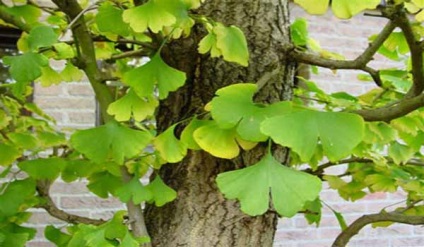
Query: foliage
x=383, y=152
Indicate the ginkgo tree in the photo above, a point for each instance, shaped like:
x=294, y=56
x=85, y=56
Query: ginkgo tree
x=202, y=94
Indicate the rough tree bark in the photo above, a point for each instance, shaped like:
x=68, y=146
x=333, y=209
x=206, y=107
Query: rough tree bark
x=201, y=216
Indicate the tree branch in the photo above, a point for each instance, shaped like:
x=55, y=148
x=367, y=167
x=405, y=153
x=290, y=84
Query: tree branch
x=390, y=112
x=86, y=58
x=136, y=53
x=43, y=188
x=13, y=20
x=353, y=229
x=135, y=212
x=320, y=169
x=414, y=45
x=87, y=62
x=360, y=63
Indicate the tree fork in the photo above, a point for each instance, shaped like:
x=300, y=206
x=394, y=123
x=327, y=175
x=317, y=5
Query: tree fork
x=201, y=216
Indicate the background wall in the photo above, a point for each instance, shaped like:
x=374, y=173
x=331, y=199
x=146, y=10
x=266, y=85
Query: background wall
x=73, y=106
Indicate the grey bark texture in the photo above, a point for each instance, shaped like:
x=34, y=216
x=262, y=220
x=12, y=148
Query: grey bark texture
x=201, y=216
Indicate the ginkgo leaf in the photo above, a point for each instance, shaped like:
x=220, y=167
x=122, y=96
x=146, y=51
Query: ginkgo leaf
x=8, y=154
x=232, y=103
x=290, y=189
x=314, y=7
x=183, y=22
x=233, y=106
x=49, y=139
x=129, y=241
x=347, y=8
x=23, y=140
x=109, y=19
x=216, y=141
x=208, y=43
x=49, y=77
x=130, y=105
x=232, y=43
x=63, y=51
x=4, y=119
x=338, y=132
x=380, y=182
x=149, y=15
x=400, y=153
x=342, y=8
x=111, y=141
x=56, y=236
x=14, y=196
x=161, y=192
x=187, y=134
x=299, y=32
x=48, y=168
x=41, y=36
x=226, y=41
x=26, y=67
x=170, y=148
x=156, y=71
x=103, y=183
x=134, y=191
x=71, y=73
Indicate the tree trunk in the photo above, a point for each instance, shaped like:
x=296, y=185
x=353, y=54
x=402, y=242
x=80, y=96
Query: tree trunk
x=201, y=216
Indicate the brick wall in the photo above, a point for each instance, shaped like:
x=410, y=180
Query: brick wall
x=73, y=106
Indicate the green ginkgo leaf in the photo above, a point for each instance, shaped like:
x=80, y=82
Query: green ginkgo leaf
x=71, y=73
x=26, y=67
x=314, y=7
x=380, y=182
x=161, y=192
x=337, y=132
x=226, y=41
x=216, y=141
x=23, y=140
x=134, y=191
x=170, y=148
x=233, y=106
x=143, y=79
x=49, y=77
x=290, y=189
x=41, y=36
x=109, y=19
x=111, y=141
x=347, y=8
x=232, y=43
x=49, y=168
x=130, y=105
x=103, y=183
x=208, y=43
x=400, y=153
x=149, y=15
x=341, y=8
x=14, y=196
x=187, y=134
x=8, y=154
